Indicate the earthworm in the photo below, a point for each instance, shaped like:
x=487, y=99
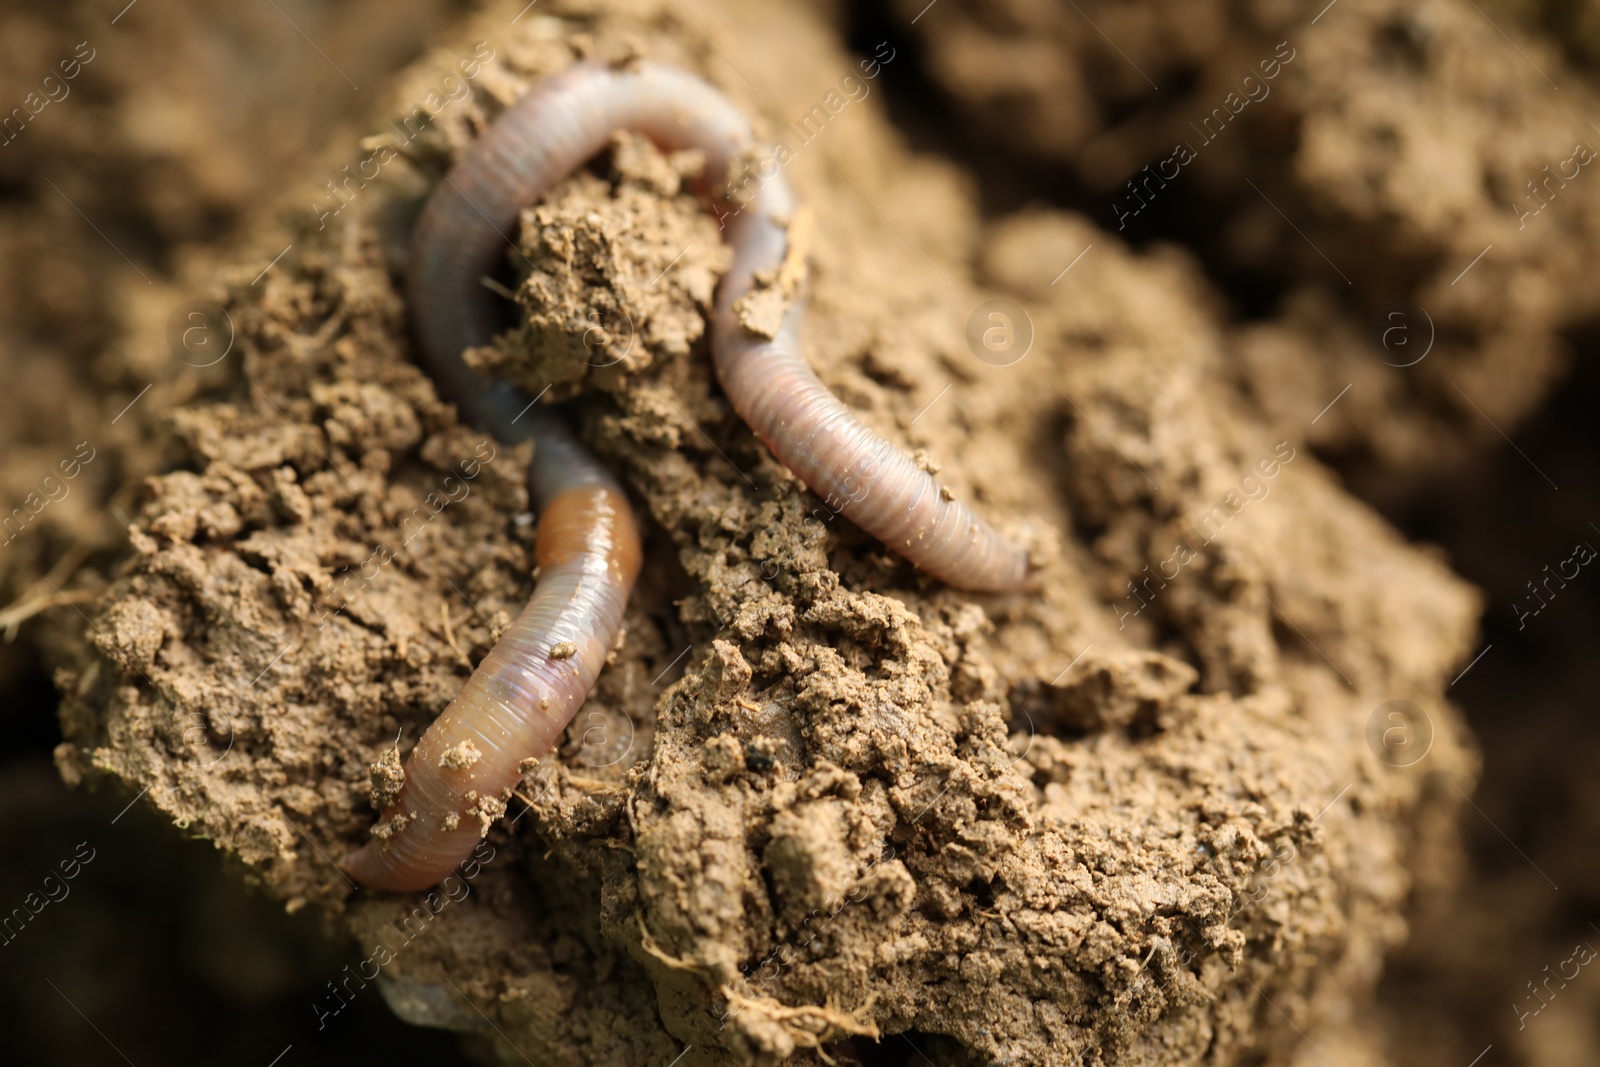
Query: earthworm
x=530, y=685
x=520, y=698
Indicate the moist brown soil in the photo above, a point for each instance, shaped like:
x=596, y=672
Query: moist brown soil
x=1389, y=144
x=816, y=800
x=1400, y=145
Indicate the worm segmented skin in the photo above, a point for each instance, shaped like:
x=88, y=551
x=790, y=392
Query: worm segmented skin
x=520, y=698
x=529, y=686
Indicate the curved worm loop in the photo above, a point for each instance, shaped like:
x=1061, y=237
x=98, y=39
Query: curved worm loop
x=553, y=129
x=519, y=699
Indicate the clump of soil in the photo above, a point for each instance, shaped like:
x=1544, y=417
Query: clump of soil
x=816, y=799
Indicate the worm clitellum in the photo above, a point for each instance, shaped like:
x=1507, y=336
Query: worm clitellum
x=520, y=698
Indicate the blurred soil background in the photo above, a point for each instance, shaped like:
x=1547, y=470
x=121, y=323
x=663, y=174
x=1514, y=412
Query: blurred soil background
x=185, y=118
x=1359, y=191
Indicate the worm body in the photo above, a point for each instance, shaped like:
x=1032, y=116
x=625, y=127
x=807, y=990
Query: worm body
x=520, y=698
x=529, y=686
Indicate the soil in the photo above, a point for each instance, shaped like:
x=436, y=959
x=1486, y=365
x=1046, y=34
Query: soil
x=818, y=806
x=1399, y=145
x=1345, y=189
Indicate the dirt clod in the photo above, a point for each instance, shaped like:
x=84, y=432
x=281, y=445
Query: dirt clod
x=815, y=798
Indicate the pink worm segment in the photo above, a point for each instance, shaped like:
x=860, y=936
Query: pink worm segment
x=519, y=699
